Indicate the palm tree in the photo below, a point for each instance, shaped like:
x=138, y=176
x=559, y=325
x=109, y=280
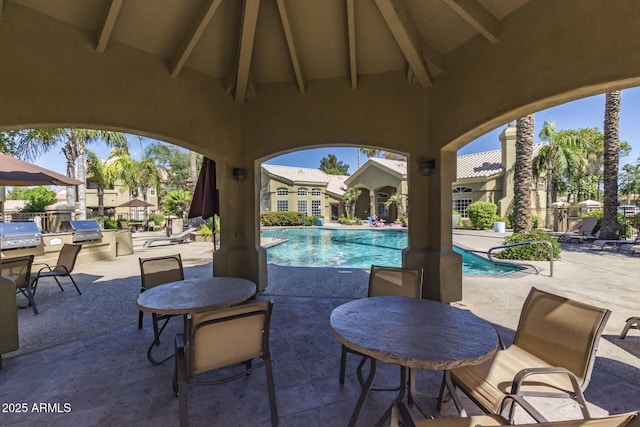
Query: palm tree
x=137, y=175
x=104, y=175
x=610, y=227
x=563, y=153
x=397, y=199
x=523, y=174
x=630, y=180
x=349, y=198
x=74, y=140
x=193, y=168
x=177, y=202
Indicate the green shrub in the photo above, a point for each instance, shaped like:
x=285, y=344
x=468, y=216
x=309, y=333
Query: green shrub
x=539, y=252
x=157, y=219
x=349, y=221
x=626, y=223
x=285, y=219
x=110, y=224
x=205, y=230
x=482, y=214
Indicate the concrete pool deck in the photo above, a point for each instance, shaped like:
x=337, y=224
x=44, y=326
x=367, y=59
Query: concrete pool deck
x=86, y=349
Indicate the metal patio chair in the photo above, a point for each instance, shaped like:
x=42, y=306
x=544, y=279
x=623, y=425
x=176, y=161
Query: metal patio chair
x=19, y=269
x=222, y=338
x=63, y=268
x=552, y=355
x=386, y=281
x=153, y=272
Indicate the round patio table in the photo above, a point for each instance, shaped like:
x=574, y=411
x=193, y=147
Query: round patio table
x=412, y=333
x=190, y=296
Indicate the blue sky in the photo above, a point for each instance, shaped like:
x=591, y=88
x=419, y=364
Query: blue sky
x=587, y=112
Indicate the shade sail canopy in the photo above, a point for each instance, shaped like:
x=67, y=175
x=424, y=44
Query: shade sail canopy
x=18, y=173
x=135, y=203
x=205, y=201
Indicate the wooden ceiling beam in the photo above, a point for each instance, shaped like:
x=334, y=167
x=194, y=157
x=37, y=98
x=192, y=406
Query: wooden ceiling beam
x=192, y=38
x=245, y=47
x=351, y=28
x=109, y=22
x=476, y=16
x=288, y=34
x=398, y=19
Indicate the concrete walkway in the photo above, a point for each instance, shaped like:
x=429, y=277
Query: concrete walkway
x=86, y=350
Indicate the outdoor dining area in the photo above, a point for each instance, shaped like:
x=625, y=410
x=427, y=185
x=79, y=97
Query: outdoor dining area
x=314, y=361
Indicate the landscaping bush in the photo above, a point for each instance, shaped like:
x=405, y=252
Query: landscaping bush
x=349, y=221
x=110, y=224
x=285, y=219
x=205, y=231
x=482, y=214
x=626, y=224
x=539, y=252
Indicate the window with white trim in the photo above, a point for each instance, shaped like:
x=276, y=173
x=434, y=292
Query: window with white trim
x=461, y=206
x=316, y=208
x=282, y=191
x=382, y=209
x=282, y=205
x=462, y=190
x=316, y=192
x=302, y=206
x=302, y=191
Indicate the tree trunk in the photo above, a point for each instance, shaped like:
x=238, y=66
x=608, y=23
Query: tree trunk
x=193, y=169
x=69, y=154
x=100, y=193
x=82, y=188
x=610, y=227
x=549, y=194
x=523, y=174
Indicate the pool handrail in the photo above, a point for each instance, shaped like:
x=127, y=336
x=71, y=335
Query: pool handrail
x=531, y=242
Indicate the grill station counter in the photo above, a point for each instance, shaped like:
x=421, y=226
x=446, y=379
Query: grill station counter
x=83, y=231
x=15, y=235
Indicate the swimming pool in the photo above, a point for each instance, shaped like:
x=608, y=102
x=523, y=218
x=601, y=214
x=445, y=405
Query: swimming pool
x=316, y=247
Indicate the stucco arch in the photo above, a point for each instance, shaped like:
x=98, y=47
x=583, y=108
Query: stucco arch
x=53, y=73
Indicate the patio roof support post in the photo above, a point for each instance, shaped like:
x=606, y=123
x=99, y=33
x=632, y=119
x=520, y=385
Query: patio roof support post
x=240, y=253
x=430, y=239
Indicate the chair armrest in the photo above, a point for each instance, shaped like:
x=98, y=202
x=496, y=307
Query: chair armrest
x=524, y=373
x=526, y=406
x=46, y=267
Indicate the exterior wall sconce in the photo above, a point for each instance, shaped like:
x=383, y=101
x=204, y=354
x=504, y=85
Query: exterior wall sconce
x=239, y=174
x=427, y=167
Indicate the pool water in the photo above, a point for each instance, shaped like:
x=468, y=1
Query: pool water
x=315, y=247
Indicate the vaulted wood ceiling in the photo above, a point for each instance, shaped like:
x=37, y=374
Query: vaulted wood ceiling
x=245, y=43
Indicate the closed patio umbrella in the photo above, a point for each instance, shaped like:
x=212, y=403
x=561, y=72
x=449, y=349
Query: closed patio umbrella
x=205, y=202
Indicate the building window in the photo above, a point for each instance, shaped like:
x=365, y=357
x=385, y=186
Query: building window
x=316, y=192
x=302, y=206
x=302, y=191
x=282, y=191
x=316, y=208
x=462, y=190
x=461, y=206
x=383, y=196
x=541, y=185
x=382, y=209
x=282, y=205
x=152, y=191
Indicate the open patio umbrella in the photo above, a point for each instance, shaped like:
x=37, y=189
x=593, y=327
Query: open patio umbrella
x=134, y=203
x=15, y=172
x=205, y=201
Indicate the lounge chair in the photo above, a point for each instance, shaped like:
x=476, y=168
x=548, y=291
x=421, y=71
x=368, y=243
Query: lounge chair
x=632, y=323
x=581, y=231
x=601, y=244
x=178, y=238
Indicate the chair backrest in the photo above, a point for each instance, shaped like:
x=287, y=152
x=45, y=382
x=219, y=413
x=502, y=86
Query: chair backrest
x=232, y=335
x=159, y=270
x=67, y=256
x=588, y=224
x=561, y=331
x=19, y=269
x=394, y=281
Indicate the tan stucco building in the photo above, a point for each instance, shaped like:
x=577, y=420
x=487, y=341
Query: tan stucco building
x=485, y=176
x=243, y=81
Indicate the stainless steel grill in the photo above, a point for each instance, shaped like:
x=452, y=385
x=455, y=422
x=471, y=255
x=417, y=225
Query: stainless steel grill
x=84, y=230
x=14, y=235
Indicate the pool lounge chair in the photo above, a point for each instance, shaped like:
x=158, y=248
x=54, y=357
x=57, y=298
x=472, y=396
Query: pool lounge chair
x=581, y=231
x=178, y=238
x=620, y=244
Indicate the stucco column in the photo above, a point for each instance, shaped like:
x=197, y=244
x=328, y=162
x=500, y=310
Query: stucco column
x=240, y=253
x=373, y=209
x=430, y=239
